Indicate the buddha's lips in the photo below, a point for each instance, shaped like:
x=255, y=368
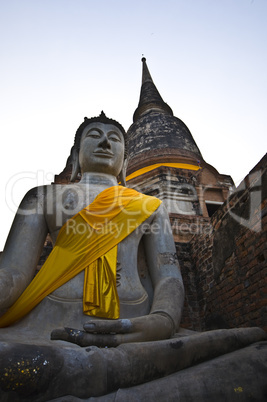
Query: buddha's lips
x=103, y=154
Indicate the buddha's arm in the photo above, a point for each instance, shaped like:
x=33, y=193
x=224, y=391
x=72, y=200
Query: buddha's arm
x=164, y=269
x=168, y=299
x=23, y=248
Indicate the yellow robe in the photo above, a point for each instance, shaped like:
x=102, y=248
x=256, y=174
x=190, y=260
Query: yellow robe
x=88, y=241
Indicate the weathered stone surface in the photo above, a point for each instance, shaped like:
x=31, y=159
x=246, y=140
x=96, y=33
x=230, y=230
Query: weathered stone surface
x=157, y=131
x=93, y=372
x=237, y=376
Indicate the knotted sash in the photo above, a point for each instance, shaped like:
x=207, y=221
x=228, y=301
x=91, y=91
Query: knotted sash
x=89, y=235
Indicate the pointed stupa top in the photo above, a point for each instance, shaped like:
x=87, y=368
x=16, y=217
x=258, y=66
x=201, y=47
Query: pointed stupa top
x=146, y=76
x=156, y=135
x=150, y=98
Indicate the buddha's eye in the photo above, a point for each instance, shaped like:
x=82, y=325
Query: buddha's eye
x=114, y=137
x=93, y=134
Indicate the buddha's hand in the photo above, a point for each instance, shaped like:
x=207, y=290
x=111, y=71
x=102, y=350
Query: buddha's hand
x=112, y=333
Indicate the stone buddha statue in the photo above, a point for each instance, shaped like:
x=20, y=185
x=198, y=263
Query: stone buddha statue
x=38, y=311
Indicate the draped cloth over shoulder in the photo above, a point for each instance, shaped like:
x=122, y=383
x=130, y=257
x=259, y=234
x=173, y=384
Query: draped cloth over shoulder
x=88, y=241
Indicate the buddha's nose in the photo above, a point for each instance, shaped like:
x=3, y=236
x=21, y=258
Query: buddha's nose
x=105, y=144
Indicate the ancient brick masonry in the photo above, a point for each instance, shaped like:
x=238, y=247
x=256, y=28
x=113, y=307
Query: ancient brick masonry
x=229, y=265
x=191, y=317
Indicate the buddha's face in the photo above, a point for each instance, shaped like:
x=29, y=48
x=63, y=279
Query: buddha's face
x=101, y=149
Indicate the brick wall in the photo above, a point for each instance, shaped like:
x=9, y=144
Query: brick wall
x=229, y=265
x=190, y=318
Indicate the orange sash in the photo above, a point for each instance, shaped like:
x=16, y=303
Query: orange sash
x=88, y=241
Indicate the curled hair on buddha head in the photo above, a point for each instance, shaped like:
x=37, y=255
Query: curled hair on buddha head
x=74, y=156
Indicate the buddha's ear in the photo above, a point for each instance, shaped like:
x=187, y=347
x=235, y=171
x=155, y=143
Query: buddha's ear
x=74, y=160
x=122, y=175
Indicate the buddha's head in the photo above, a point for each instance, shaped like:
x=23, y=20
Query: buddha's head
x=99, y=146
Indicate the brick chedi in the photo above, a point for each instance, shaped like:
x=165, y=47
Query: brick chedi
x=165, y=161
x=225, y=283
x=156, y=135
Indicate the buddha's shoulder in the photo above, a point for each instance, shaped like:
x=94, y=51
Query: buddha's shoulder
x=160, y=212
x=46, y=190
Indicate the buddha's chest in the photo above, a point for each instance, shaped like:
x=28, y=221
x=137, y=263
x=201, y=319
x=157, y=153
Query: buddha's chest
x=128, y=282
x=64, y=202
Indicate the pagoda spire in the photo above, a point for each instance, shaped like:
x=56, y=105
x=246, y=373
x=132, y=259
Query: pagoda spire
x=150, y=99
x=146, y=76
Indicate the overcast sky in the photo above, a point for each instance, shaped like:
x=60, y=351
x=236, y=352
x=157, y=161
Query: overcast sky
x=62, y=60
